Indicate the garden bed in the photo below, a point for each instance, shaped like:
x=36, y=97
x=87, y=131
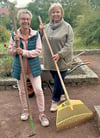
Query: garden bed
x=82, y=76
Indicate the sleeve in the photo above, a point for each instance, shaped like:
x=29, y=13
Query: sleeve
x=12, y=47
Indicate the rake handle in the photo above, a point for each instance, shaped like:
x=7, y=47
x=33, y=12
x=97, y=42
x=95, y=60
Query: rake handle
x=57, y=68
x=22, y=67
x=79, y=54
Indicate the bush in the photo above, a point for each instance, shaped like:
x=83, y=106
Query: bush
x=89, y=30
x=5, y=66
x=4, y=34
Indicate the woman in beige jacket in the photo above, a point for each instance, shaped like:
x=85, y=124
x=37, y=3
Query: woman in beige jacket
x=60, y=35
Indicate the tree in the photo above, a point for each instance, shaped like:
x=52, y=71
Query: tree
x=39, y=8
x=72, y=9
x=89, y=30
x=95, y=4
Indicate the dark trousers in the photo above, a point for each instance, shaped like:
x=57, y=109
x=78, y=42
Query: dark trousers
x=58, y=90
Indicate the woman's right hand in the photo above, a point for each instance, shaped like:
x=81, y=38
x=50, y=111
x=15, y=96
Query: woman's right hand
x=42, y=26
x=16, y=37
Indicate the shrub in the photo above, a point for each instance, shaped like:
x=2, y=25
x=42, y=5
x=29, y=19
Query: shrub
x=89, y=31
x=4, y=34
x=5, y=66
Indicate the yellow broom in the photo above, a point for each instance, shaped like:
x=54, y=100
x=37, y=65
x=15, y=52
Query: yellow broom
x=71, y=112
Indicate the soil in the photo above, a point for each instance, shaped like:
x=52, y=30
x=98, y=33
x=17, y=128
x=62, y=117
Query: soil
x=12, y=127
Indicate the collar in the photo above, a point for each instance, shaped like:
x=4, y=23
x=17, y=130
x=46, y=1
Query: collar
x=32, y=33
x=55, y=26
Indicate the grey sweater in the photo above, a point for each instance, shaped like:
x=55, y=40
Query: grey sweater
x=61, y=37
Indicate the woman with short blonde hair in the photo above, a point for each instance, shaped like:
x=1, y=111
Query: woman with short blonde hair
x=60, y=35
x=56, y=5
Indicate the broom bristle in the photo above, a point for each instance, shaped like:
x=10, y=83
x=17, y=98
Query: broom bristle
x=67, y=118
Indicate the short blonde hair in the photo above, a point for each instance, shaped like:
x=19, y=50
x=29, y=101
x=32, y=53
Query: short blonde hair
x=21, y=11
x=56, y=5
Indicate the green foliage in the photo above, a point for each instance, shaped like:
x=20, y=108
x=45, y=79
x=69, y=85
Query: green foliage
x=4, y=34
x=6, y=21
x=89, y=30
x=38, y=8
x=3, y=49
x=5, y=66
x=79, y=45
x=95, y=4
x=73, y=8
x=84, y=16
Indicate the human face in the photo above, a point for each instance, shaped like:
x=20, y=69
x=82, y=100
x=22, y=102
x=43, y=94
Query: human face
x=56, y=14
x=24, y=21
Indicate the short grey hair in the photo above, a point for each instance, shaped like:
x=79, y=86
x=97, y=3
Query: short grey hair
x=21, y=11
x=56, y=5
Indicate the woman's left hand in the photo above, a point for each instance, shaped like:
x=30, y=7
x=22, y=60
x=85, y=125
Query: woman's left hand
x=19, y=51
x=56, y=57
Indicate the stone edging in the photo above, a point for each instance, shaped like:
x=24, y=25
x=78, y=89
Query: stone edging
x=88, y=51
x=7, y=83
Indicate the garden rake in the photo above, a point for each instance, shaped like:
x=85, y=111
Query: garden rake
x=12, y=10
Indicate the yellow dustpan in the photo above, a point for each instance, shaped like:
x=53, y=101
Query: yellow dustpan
x=71, y=112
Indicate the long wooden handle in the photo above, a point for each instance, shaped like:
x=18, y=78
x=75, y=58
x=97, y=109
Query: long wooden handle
x=58, y=71
x=12, y=10
x=79, y=54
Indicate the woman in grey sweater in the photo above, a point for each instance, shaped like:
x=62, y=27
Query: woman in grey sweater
x=60, y=35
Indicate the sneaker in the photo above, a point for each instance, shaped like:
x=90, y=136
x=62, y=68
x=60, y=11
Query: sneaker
x=24, y=116
x=62, y=98
x=43, y=120
x=54, y=106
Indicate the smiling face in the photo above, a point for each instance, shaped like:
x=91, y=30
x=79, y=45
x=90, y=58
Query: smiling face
x=24, y=21
x=56, y=14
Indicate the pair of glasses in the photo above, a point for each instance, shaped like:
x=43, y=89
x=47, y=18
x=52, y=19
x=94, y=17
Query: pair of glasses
x=24, y=19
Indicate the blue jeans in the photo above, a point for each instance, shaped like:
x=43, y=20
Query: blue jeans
x=58, y=90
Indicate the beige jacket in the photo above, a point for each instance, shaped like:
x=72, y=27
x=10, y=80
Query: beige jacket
x=61, y=38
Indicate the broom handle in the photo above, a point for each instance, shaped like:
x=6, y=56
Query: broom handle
x=79, y=54
x=22, y=67
x=64, y=88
